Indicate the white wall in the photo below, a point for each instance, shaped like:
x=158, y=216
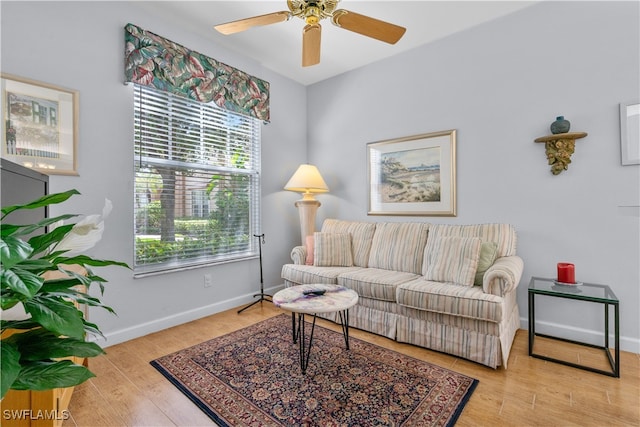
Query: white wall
x=500, y=85
x=80, y=45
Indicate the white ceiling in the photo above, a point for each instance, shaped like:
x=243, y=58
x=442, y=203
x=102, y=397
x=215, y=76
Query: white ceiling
x=279, y=46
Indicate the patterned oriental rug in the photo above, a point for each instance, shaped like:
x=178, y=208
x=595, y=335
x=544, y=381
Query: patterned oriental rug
x=252, y=377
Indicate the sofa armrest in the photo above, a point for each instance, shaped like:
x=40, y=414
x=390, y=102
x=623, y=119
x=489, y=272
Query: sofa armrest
x=299, y=255
x=503, y=276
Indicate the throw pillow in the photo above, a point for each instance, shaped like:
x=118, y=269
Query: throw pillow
x=332, y=250
x=488, y=254
x=452, y=259
x=309, y=246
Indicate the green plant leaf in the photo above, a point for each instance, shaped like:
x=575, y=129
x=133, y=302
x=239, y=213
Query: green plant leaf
x=44, y=241
x=47, y=200
x=61, y=290
x=39, y=265
x=10, y=364
x=23, y=230
x=60, y=285
x=8, y=229
x=49, y=375
x=40, y=344
x=92, y=329
x=20, y=281
x=69, y=282
x=13, y=251
x=8, y=300
x=58, y=316
x=87, y=260
x=18, y=324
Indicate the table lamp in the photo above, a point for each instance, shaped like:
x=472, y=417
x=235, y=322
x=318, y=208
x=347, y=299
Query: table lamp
x=308, y=181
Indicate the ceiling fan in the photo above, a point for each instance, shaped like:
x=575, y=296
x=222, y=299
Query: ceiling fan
x=312, y=12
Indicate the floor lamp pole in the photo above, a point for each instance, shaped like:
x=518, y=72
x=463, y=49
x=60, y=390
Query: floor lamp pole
x=262, y=295
x=307, y=210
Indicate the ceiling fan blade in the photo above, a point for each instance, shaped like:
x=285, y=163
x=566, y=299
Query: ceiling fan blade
x=256, y=21
x=367, y=26
x=311, y=44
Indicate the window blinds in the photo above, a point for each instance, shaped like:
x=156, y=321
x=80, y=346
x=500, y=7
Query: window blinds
x=197, y=182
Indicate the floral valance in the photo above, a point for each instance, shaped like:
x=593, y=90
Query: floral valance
x=154, y=61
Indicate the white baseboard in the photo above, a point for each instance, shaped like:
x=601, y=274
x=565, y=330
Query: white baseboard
x=137, y=331
x=112, y=338
x=582, y=335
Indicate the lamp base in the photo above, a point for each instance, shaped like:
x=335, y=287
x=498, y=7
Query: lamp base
x=307, y=210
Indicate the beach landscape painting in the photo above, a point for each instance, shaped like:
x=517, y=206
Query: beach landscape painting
x=413, y=175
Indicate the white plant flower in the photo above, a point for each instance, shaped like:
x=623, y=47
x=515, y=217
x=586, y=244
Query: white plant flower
x=85, y=233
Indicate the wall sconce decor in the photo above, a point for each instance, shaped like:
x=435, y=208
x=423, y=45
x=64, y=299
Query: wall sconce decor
x=560, y=146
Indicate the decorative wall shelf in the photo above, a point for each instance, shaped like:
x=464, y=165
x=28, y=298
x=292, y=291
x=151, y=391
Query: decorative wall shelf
x=559, y=148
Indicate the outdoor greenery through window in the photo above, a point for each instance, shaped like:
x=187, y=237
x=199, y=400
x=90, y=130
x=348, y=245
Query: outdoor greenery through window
x=197, y=182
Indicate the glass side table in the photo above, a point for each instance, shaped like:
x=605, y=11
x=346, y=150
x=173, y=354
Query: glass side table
x=601, y=294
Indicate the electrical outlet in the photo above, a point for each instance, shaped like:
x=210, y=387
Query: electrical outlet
x=207, y=280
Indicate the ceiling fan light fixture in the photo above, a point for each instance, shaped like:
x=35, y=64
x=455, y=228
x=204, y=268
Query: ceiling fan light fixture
x=312, y=12
x=312, y=15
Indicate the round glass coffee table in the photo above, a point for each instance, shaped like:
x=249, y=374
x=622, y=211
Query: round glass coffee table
x=314, y=299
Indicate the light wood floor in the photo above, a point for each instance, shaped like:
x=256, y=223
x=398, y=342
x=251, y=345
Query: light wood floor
x=129, y=392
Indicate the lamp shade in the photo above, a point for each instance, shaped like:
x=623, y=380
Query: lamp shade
x=307, y=180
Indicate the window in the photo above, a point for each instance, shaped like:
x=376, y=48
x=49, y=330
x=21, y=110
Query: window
x=199, y=203
x=197, y=183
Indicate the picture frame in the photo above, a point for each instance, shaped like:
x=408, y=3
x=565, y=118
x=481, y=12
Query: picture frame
x=630, y=133
x=39, y=125
x=414, y=175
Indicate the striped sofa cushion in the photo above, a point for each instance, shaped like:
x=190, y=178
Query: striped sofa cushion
x=399, y=246
x=332, y=249
x=467, y=301
x=452, y=259
x=308, y=274
x=361, y=236
x=504, y=235
x=375, y=283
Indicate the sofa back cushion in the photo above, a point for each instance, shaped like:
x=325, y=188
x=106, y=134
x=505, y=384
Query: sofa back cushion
x=488, y=255
x=361, y=237
x=503, y=235
x=452, y=259
x=332, y=250
x=399, y=246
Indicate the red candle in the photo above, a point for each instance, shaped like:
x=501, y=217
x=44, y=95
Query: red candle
x=566, y=272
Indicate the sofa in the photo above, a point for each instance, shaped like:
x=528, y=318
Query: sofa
x=448, y=288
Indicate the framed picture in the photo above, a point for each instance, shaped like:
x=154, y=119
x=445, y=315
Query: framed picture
x=414, y=175
x=40, y=125
x=630, y=133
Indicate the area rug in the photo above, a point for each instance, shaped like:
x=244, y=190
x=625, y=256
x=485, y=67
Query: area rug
x=252, y=377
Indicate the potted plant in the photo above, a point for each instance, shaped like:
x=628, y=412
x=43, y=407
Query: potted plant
x=53, y=327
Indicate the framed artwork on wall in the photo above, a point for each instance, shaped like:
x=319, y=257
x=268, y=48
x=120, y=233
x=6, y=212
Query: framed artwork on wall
x=39, y=125
x=630, y=133
x=414, y=175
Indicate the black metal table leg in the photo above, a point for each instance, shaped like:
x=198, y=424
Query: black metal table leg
x=532, y=322
x=305, y=350
x=344, y=323
x=616, y=320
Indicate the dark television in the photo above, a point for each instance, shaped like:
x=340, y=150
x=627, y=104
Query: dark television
x=21, y=185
